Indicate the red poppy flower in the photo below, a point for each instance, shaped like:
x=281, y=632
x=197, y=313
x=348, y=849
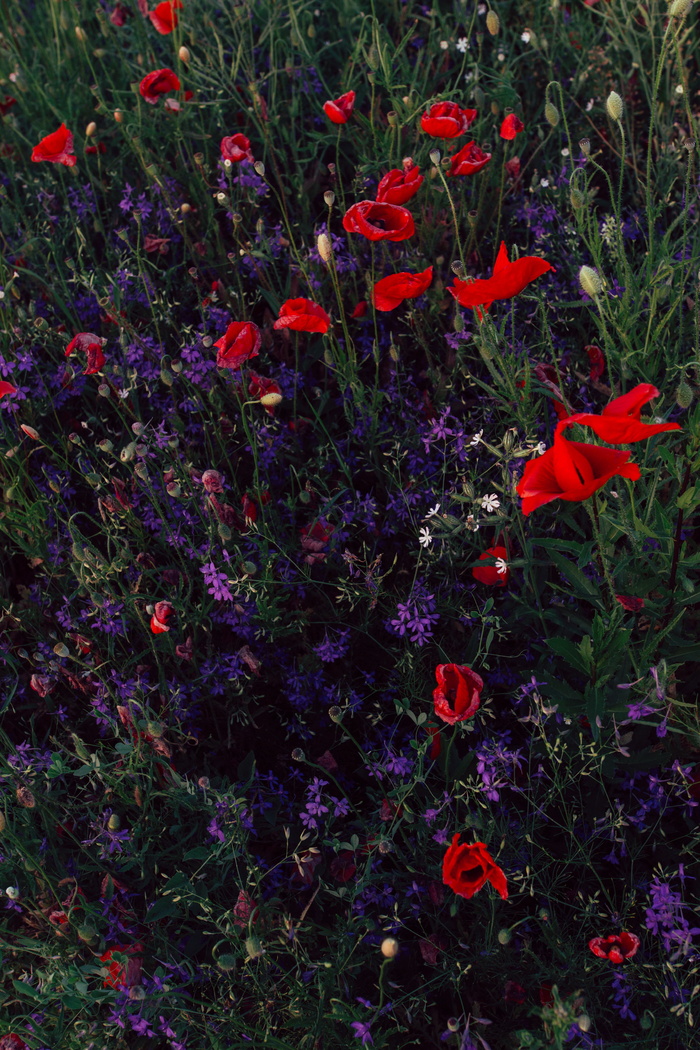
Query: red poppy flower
x=597, y=362
x=57, y=147
x=496, y=575
x=378, y=221
x=391, y=291
x=123, y=975
x=465, y=869
x=236, y=148
x=340, y=110
x=458, y=693
x=303, y=315
x=245, y=910
x=119, y=15
x=259, y=386
x=630, y=604
x=99, y=147
x=511, y=126
x=164, y=17
x=360, y=310
x=91, y=345
x=620, y=422
x=397, y=186
x=508, y=279
x=240, y=342
x=446, y=120
x=162, y=612
x=12, y=1042
x=6, y=388
x=158, y=83
x=572, y=471
x=470, y=159
x=616, y=947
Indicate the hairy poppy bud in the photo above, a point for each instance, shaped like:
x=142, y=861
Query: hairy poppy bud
x=684, y=394
x=590, y=280
x=254, y=948
x=614, y=106
x=493, y=23
x=183, y=54
x=504, y=936
x=81, y=34
x=551, y=114
x=577, y=198
x=226, y=962
x=390, y=948
x=323, y=245
x=90, y=129
x=680, y=8
x=270, y=400
x=584, y=1022
x=114, y=823
x=118, y=116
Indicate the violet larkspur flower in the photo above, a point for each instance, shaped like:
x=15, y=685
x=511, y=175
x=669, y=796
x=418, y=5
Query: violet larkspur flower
x=361, y=1029
x=217, y=582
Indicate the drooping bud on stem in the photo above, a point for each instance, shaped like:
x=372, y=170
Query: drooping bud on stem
x=614, y=106
x=493, y=23
x=591, y=281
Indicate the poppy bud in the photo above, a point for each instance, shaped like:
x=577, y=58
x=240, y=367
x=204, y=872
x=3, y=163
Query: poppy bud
x=118, y=116
x=590, y=280
x=270, y=400
x=12, y=892
x=493, y=23
x=254, y=948
x=373, y=57
x=87, y=933
x=584, y=1022
x=323, y=245
x=226, y=962
x=29, y=431
x=185, y=208
x=504, y=936
x=390, y=948
x=114, y=823
x=81, y=34
x=479, y=97
x=329, y=198
x=551, y=114
x=680, y=8
x=577, y=198
x=183, y=54
x=614, y=106
x=2, y=821
x=684, y=395
x=435, y=156
x=90, y=129
x=259, y=168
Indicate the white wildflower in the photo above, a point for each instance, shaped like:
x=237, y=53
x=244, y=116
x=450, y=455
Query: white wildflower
x=462, y=44
x=476, y=438
x=489, y=503
x=424, y=537
x=501, y=566
x=431, y=513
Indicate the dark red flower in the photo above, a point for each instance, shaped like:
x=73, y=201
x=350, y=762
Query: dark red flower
x=511, y=126
x=378, y=221
x=620, y=422
x=508, y=279
x=119, y=15
x=572, y=471
x=259, y=386
x=99, y=147
x=6, y=105
x=6, y=388
x=465, y=869
x=391, y=291
x=514, y=993
x=245, y=910
x=360, y=310
x=250, y=509
x=91, y=345
x=240, y=342
x=303, y=315
x=617, y=947
x=597, y=362
x=470, y=159
x=513, y=168
x=123, y=975
x=343, y=867
x=545, y=993
x=458, y=693
x=340, y=110
x=12, y=1042
x=56, y=147
x=496, y=575
x=446, y=120
x=397, y=186
x=158, y=83
x=236, y=148
x=164, y=17
x=436, y=742
x=162, y=613
x=630, y=604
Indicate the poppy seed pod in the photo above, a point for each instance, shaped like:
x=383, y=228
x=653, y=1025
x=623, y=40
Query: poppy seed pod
x=590, y=281
x=614, y=106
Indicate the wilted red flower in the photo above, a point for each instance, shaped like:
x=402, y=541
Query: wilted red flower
x=620, y=422
x=244, y=910
x=470, y=159
x=303, y=315
x=240, y=342
x=508, y=279
x=617, y=947
x=511, y=126
x=6, y=388
x=446, y=120
x=397, y=186
x=597, y=362
x=378, y=221
x=6, y=105
x=513, y=168
x=343, y=867
x=360, y=310
x=123, y=975
x=572, y=471
x=514, y=993
x=162, y=612
x=496, y=575
x=250, y=509
x=156, y=244
x=91, y=345
x=430, y=948
x=391, y=291
x=236, y=148
x=340, y=110
x=158, y=83
x=465, y=869
x=314, y=539
x=41, y=684
x=164, y=17
x=12, y=1042
x=259, y=386
x=630, y=604
x=458, y=693
x=56, y=147
x=119, y=15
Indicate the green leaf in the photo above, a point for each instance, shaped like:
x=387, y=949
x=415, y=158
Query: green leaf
x=581, y=584
x=162, y=909
x=198, y=853
x=569, y=652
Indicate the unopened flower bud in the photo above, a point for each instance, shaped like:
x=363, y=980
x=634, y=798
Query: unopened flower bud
x=684, y=394
x=504, y=936
x=590, y=280
x=81, y=34
x=259, y=168
x=226, y=962
x=254, y=948
x=435, y=156
x=680, y=8
x=551, y=114
x=30, y=431
x=373, y=57
x=87, y=933
x=323, y=245
x=584, y=1022
x=390, y=948
x=118, y=116
x=614, y=106
x=185, y=208
x=12, y=892
x=90, y=129
x=577, y=198
x=2, y=821
x=493, y=23
x=183, y=54
x=114, y=823
x=270, y=400
x=329, y=198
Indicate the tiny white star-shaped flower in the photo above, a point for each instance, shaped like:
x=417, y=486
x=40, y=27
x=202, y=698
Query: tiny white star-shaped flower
x=431, y=513
x=490, y=503
x=476, y=438
x=501, y=566
x=462, y=44
x=525, y=37
x=424, y=538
